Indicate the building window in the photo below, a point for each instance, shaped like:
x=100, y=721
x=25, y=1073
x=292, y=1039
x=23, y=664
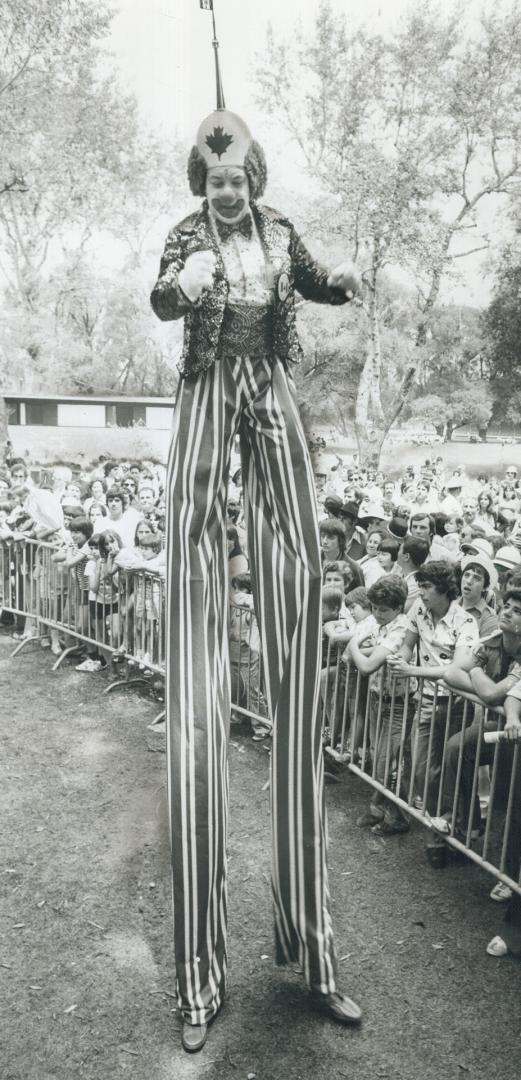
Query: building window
x=13, y=413
x=41, y=412
x=126, y=415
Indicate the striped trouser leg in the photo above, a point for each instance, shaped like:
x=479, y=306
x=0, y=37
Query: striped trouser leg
x=285, y=563
x=197, y=690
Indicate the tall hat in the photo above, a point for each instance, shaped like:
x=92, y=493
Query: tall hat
x=223, y=139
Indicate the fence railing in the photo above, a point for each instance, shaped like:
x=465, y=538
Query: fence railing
x=424, y=751
x=429, y=753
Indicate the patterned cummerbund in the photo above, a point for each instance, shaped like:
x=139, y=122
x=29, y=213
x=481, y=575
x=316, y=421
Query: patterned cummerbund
x=246, y=330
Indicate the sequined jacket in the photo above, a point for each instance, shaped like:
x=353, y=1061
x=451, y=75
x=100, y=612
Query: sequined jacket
x=293, y=266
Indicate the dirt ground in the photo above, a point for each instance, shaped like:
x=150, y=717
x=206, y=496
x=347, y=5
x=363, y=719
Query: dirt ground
x=86, y=963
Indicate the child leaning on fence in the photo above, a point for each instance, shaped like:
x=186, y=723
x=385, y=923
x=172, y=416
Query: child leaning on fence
x=245, y=666
x=390, y=716
x=344, y=697
x=102, y=573
x=147, y=595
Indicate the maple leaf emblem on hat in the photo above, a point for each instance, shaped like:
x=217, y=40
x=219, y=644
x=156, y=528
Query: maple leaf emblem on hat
x=218, y=141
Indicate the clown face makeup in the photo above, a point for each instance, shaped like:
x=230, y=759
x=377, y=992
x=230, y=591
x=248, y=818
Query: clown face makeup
x=228, y=193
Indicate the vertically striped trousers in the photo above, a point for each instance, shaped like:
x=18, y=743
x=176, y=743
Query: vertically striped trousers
x=252, y=397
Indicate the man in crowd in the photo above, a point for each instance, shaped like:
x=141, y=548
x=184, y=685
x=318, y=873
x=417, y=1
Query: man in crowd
x=441, y=632
x=423, y=526
x=356, y=536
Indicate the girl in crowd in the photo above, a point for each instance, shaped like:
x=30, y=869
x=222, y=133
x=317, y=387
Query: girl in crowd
x=369, y=564
x=485, y=515
x=147, y=596
x=102, y=573
x=97, y=516
x=332, y=539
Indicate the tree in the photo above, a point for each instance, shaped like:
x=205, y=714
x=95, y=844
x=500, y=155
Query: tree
x=407, y=136
x=502, y=330
x=471, y=404
x=77, y=174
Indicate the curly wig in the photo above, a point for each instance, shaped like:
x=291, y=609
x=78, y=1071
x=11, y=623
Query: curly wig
x=254, y=166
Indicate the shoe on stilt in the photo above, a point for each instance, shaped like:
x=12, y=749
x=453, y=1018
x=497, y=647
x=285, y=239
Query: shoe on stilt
x=337, y=1007
x=193, y=1037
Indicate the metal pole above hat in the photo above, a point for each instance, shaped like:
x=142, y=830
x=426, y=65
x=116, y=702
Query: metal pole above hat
x=207, y=5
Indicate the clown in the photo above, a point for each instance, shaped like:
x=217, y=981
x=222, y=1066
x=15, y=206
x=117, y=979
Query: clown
x=231, y=270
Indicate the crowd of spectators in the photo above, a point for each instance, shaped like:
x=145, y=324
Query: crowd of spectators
x=421, y=588
x=94, y=528
x=439, y=612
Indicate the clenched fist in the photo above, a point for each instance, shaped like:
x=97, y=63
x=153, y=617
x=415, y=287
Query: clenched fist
x=197, y=274
x=346, y=277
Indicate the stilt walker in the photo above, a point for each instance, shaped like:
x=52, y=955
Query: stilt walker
x=231, y=270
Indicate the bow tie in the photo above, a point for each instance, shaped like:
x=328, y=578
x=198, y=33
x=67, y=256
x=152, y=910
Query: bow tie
x=243, y=226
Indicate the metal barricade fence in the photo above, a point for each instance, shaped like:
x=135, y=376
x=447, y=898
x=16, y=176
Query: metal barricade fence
x=423, y=749
x=429, y=753
x=127, y=619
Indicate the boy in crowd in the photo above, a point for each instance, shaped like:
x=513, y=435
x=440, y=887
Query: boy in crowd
x=413, y=554
x=479, y=576
x=342, y=574
x=389, y=712
x=339, y=694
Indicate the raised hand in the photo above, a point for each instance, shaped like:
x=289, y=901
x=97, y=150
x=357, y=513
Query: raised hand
x=346, y=277
x=197, y=274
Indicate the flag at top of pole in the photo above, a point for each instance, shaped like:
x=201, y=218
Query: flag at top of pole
x=207, y=5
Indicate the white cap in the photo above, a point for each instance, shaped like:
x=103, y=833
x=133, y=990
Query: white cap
x=371, y=510
x=479, y=545
x=508, y=556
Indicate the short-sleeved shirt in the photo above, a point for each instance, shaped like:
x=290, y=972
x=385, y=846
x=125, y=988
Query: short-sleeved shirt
x=485, y=617
x=490, y=655
x=389, y=637
x=515, y=692
x=437, y=644
x=364, y=631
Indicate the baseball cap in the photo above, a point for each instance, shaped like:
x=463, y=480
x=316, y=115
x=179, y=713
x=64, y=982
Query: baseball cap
x=372, y=510
x=478, y=546
x=508, y=556
x=453, y=483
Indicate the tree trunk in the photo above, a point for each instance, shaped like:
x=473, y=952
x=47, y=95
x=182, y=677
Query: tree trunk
x=4, y=433
x=449, y=428
x=370, y=424
x=370, y=441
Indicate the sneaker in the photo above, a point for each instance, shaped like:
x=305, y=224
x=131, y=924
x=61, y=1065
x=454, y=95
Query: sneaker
x=501, y=892
x=497, y=947
x=159, y=728
x=89, y=665
x=390, y=828
x=369, y=818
